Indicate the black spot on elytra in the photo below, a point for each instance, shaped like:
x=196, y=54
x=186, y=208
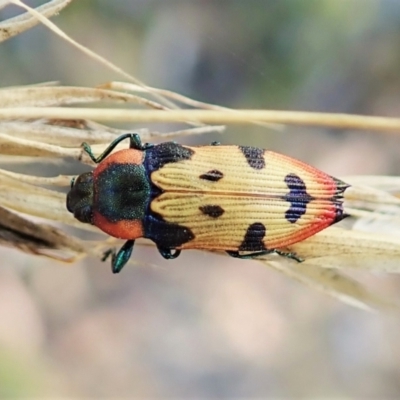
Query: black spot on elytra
x=212, y=211
x=297, y=197
x=166, y=234
x=164, y=153
x=214, y=175
x=253, y=239
x=254, y=156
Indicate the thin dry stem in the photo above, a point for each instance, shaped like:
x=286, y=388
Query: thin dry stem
x=21, y=23
x=338, y=121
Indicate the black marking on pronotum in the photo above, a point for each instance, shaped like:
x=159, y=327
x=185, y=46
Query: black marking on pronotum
x=214, y=175
x=122, y=192
x=164, y=153
x=253, y=239
x=297, y=197
x=212, y=210
x=254, y=156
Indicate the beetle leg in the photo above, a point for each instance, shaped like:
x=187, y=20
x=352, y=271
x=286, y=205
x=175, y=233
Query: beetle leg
x=291, y=256
x=118, y=260
x=236, y=254
x=167, y=254
x=134, y=143
x=108, y=253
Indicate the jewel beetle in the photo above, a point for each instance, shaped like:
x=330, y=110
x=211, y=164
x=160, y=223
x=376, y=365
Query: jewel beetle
x=243, y=200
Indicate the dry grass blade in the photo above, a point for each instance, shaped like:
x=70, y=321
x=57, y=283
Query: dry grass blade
x=14, y=146
x=61, y=180
x=383, y=183
x=45, y=96
x=368, y=197
x=178, y=98
x=54, y=138
x=130, y=87
x=187, y=132
x=35, y=238
x=42, y=96
x=350, y=249
x=21, y=23
x=56, y=132
x=335, y=284
x=31, y=200
x=337, y=121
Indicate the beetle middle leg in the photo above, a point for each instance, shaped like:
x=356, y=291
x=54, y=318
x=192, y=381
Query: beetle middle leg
x=167, y=253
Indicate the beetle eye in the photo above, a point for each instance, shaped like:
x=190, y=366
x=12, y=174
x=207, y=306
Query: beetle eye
x=84, y=214
x=80, y=197
x=86, y=177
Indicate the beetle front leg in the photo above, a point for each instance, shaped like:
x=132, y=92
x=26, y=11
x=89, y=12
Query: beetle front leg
x=118, y=260
x=134, y=143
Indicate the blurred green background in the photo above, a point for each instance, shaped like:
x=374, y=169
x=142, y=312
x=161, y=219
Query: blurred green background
x=206, y=326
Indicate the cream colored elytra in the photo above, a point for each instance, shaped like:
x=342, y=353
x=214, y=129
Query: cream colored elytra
x=245, y=195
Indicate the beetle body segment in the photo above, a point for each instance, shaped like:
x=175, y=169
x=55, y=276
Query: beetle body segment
x=231, y=198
